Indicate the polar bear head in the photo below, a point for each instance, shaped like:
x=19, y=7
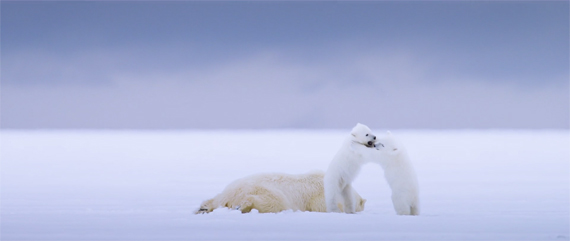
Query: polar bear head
x=389, y=146
x=363, y=135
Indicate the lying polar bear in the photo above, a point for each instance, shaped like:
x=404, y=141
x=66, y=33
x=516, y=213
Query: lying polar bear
x=400, y=174
x=275, y=192
x=345, y=166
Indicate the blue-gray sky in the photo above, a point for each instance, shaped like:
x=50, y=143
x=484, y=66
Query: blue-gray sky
x=285, y=64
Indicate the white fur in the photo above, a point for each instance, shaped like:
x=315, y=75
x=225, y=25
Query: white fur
x=400, y=174
x=344, y=168
x=275, y=192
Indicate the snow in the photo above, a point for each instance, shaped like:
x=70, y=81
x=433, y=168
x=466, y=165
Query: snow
x=145, y=185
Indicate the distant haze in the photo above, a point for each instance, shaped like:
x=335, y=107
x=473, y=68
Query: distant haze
x=258, y=65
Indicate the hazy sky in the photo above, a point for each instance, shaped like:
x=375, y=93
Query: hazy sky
x=285, y=64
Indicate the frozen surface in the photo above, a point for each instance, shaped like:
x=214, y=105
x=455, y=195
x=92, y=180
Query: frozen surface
x=144, y=185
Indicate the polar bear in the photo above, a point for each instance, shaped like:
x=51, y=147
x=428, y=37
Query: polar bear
x=345, y=166
x=275, y=192
x=399, y=174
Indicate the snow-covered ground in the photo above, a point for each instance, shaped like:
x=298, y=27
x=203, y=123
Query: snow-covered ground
x=145, y=185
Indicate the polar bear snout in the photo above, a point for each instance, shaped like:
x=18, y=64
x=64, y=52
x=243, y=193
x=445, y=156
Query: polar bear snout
x=378, y=145
x=370, y=143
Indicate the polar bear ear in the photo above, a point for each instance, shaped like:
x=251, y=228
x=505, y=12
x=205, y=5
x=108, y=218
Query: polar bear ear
x=354, y=130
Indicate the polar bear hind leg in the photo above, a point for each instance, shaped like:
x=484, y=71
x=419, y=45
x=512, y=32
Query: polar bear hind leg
x=206, y=207
x=265, y=201
x=415, y=210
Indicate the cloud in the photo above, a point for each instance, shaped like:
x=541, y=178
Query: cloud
x=268, y=88
x=285, y=65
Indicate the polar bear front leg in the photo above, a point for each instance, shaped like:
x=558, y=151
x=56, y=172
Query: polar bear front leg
x=331, y=195
x=401, y=205
x=349, y=202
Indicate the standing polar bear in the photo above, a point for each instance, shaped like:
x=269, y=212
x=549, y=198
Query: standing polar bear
x=275, y=192
x=345, y=166
x=400, y=174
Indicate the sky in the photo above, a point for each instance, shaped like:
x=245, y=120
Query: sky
x=265, y=65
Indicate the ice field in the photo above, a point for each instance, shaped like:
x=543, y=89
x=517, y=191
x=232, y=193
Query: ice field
x=145, y=185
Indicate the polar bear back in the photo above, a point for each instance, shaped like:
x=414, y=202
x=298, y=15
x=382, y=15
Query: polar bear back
x=300, y=192
x=297, y=192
